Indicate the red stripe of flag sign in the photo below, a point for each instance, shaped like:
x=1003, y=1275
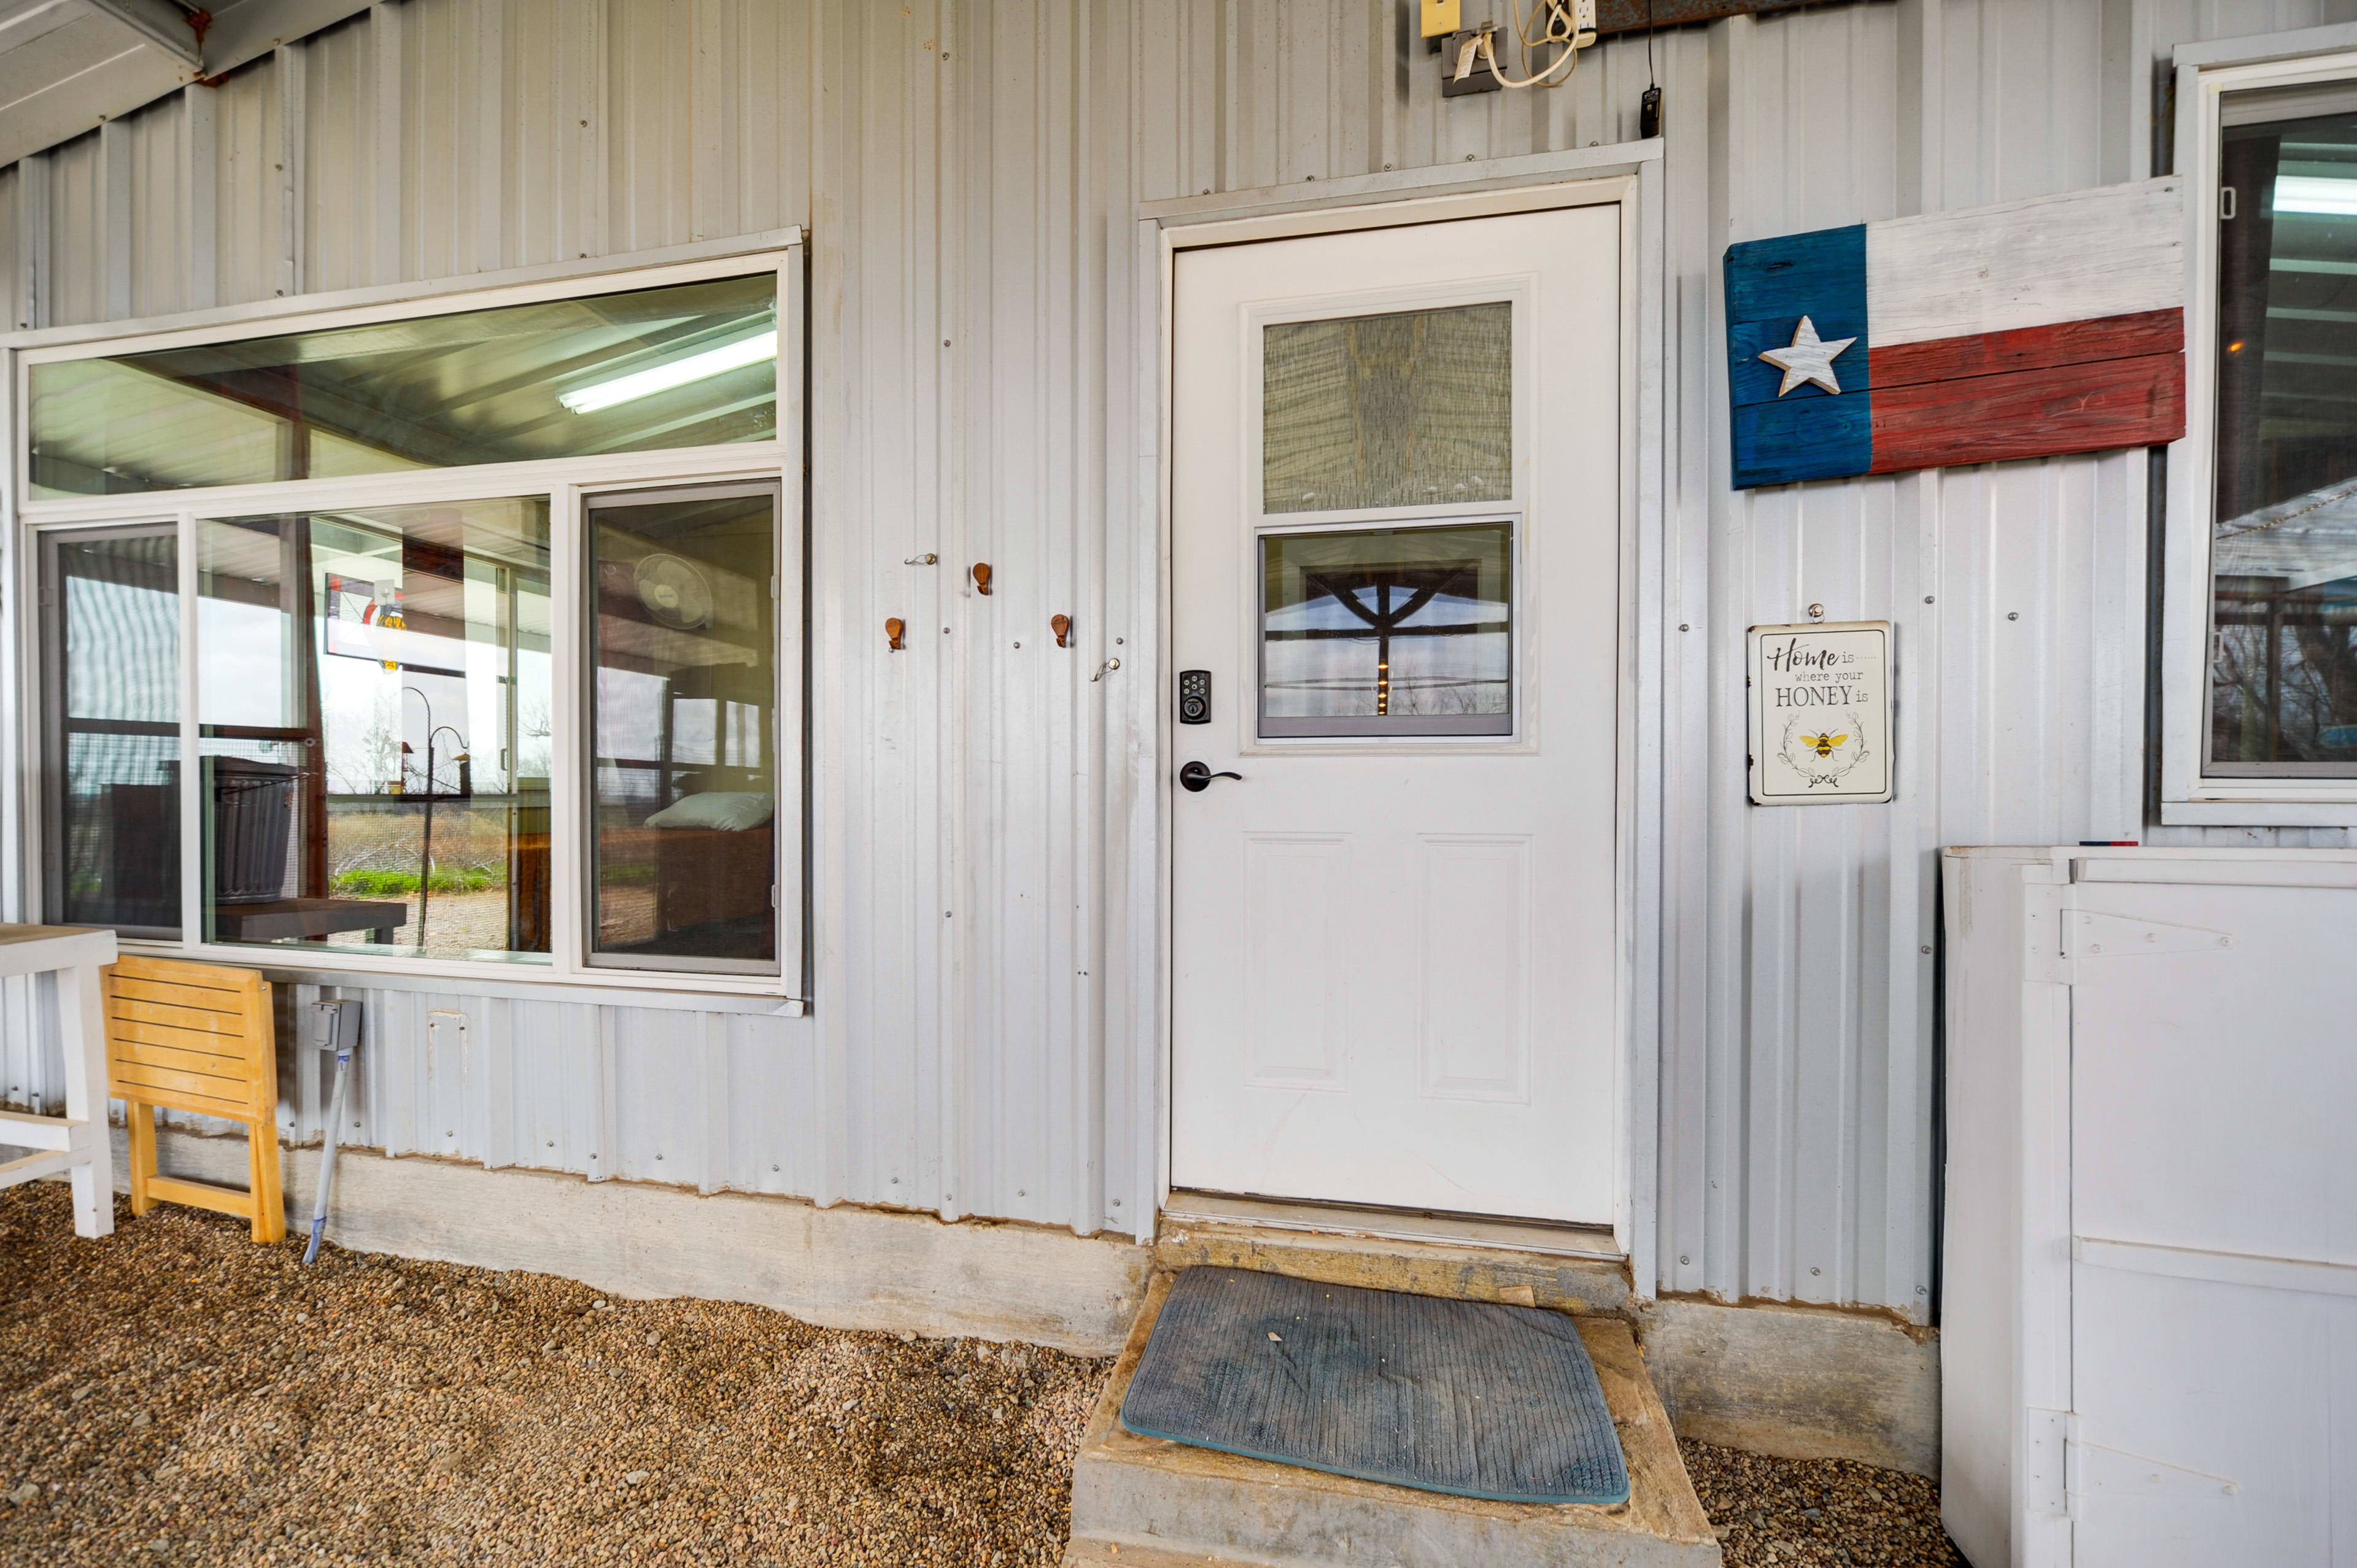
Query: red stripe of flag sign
x=2022, y=330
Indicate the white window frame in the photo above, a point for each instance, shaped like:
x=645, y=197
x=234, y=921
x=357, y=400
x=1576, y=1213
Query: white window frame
x=564, y=481
x=2188, y=795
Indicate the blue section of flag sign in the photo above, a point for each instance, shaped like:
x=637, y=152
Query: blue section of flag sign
x=1806, y=432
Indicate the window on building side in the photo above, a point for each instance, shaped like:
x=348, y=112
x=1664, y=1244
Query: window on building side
x=2282, y=689
x=460, y=638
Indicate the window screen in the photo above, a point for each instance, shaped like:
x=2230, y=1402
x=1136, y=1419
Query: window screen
x=111, y=614
x=682, y=735
x=1412, y=409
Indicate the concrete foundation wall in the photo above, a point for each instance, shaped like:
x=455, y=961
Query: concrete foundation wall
x=1797, y=1382
x=842, y=1267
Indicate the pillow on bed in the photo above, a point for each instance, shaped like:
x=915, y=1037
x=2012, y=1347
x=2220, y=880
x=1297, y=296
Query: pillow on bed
x=730, y=811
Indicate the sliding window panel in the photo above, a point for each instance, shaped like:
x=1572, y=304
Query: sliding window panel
x=2283, y=549
x=689, y=365
x=111, y=764
x=683, y=693
x=375, y=729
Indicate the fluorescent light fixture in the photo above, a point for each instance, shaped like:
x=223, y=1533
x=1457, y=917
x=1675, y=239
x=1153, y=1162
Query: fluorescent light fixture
x=2315, y=193
x=678, y=373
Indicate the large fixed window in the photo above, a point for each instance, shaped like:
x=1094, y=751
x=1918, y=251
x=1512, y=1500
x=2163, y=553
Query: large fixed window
x=466, y=638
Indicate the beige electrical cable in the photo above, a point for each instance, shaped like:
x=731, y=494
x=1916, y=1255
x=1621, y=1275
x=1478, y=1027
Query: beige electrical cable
x=1558, y=25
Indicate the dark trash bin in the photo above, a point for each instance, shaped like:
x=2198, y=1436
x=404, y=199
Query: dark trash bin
x=254, y=812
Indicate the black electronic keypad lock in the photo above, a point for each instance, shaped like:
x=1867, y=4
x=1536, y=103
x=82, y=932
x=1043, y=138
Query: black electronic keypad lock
x=1194, y=696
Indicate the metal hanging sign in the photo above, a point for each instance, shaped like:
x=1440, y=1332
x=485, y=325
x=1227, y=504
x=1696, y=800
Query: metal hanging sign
x=1820, y=701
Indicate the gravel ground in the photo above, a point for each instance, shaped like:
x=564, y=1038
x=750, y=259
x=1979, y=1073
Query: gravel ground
x=1817, y=1510
x=177, y=1394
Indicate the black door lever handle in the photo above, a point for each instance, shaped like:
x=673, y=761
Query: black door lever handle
x=1197, y=777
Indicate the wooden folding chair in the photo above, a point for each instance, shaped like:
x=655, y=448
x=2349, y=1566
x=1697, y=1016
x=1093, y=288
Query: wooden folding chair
x=196, y=1037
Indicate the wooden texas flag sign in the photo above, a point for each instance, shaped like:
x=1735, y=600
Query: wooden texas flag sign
x=2022, y=330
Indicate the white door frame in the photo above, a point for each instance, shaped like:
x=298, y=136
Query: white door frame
x=1631, y=174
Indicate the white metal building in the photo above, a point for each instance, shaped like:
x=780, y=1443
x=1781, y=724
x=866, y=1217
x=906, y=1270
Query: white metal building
x=973, y=215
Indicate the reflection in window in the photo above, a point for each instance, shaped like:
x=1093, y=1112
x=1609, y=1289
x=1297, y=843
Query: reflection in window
x=691, y=365
x=684, y=729
x=374, y=705
x=2283, y=678
x=1414, y=409
x=1387, y=631
x=112, y=627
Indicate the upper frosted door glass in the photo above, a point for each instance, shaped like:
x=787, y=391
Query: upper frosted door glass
x=1412, y=409
x=693, y=365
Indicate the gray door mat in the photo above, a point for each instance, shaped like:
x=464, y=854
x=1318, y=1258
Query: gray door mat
x=1462, y=1397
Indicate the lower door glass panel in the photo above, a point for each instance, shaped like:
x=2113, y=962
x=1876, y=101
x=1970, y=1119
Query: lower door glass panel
x=1405, y=631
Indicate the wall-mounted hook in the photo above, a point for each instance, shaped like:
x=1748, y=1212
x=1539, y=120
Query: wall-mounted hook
x=893, y=630
x=981, y=578
x=1105, y=668
x=1062, y=627
x=927, y=559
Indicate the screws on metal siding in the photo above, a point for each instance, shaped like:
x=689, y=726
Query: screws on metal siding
x=2013, y=615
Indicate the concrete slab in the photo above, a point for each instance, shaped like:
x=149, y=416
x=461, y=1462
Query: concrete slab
x=1142, y=1502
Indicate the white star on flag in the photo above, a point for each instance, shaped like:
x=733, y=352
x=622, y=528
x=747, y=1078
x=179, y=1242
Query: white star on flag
x=1809, y=359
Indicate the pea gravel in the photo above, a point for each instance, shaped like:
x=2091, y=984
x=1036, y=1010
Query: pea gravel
x=1817, y=1511
x=175, y=1394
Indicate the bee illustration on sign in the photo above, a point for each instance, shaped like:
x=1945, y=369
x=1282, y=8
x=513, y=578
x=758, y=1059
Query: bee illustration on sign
x=1826, y=758
x=1820, y=725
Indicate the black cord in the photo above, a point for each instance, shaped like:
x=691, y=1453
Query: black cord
x=1649, y=110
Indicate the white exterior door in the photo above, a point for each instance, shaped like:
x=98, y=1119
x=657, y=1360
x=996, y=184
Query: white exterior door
x=1397, y=500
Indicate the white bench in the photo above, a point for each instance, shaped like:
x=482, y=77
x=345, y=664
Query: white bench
x=77, y=1142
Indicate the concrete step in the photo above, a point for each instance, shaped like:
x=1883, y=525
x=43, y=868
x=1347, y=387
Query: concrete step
x=1464, y=1270
x=1142, y=1502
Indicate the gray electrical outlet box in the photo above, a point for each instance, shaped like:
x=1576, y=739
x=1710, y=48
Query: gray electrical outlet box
x=333, y=1025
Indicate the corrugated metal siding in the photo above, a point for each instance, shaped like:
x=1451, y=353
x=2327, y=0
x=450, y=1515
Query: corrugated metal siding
x=983, y=1042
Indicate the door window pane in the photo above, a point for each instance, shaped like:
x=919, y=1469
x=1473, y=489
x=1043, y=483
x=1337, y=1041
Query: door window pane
x=1412, y=409
x=691, y=365
x=1388, y=632
x=2282, y=676
x=112, y=626
x=374, y=706
x=683, y=685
